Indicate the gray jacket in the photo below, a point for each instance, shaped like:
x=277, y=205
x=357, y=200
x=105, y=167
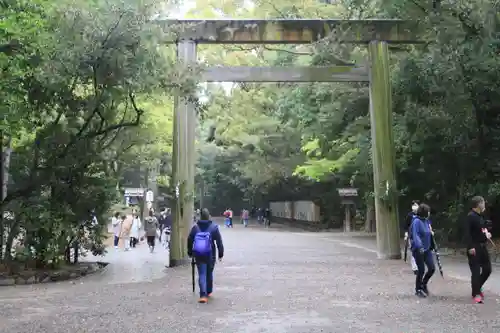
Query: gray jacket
x=150, y=226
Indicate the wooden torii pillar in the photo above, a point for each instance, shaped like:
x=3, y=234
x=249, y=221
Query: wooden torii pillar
x=377, y=34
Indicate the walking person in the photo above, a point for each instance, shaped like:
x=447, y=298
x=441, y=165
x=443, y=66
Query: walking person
x=408, y=220
x=421, y=245
x=228, y=220
x=126, y=229
x=476, y=237
x=230, y=211
x=267, y=217
x=244, y=216
x=136, y=228
x=165, y=222
x=260, y=215
x=204, y=244
x=151, y=226
x=116, y=224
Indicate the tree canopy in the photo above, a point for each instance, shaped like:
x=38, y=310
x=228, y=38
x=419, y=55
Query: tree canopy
x=86, y=90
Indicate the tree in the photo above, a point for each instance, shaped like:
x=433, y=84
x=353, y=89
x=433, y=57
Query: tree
x=76, y=96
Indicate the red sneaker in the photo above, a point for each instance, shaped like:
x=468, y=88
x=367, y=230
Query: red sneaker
x=478, y=300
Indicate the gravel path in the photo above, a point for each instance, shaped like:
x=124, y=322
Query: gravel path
x=273, y=281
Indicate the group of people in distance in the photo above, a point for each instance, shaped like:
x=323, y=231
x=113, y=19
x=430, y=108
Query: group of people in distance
x=128, y=228
x=420, y=235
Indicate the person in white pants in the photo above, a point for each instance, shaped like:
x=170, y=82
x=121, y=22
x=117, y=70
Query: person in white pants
x=408, y=221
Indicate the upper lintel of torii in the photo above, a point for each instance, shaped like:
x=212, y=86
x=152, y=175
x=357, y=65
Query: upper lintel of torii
x=291, y=31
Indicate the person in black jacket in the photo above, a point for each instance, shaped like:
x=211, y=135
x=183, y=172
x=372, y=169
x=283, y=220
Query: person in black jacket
x=476, y=237
x=165, y=220
x=267, y=217
x=407, y=224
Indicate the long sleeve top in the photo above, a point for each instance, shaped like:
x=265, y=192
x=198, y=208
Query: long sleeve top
x=421, y=234
x=474, y=230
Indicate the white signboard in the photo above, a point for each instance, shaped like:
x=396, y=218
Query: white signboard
x=149, y=196
x=348, y=192
x=134, y=192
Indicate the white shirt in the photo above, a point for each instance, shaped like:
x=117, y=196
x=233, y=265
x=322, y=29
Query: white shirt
x=116, y=225
x=136, y=227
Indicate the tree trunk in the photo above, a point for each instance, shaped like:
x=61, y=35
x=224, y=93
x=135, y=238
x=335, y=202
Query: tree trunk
x=76, y=246
x=370, y=216
x=13, y=233
x=5, y=167
x=4, y=180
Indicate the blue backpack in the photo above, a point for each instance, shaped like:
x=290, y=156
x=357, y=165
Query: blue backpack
x=202, y=244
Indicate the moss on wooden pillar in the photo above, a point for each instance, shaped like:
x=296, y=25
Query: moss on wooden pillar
x=182, y=164
x=383, y=153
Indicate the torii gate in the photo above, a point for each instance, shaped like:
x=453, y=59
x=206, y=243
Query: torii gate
x=377, y=34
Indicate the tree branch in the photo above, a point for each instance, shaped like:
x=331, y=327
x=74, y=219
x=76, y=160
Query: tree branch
x=279, y=12
x=139, y=112
x=269, y=48
x=419, y=6
x=11, y=47
x=35, y=183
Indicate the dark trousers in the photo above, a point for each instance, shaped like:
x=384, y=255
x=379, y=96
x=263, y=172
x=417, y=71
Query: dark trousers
x=116, y=240
x=231, y=221
x=480, y=268
x=422, y=260
x=161, y=232
x=151, y=240
x=133, y=241
x=205, y=276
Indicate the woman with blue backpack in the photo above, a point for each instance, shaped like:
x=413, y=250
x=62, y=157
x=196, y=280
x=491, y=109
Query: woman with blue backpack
x=421, y=246
x=204, y=245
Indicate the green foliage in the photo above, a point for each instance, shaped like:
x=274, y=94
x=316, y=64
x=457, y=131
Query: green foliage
x=86, y=93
